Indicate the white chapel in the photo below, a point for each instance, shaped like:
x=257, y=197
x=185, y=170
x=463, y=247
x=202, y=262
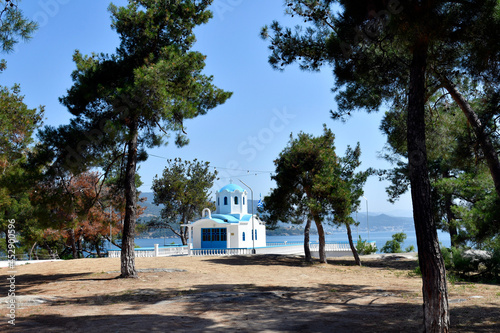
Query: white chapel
x=231, y=226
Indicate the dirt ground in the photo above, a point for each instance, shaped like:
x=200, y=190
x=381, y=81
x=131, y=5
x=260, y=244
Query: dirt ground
x=263, y=293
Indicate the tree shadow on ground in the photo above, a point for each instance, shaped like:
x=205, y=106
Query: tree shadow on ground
x=327, y=293
x=298, y=261
x=388, y=262
x=250, y=308
x=475, y=319
x=243, y=307
x=261, y=260
x=110, y=323
x=25, y=281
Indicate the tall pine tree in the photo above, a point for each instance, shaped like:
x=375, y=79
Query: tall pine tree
x=142, y=92
x=388, y=51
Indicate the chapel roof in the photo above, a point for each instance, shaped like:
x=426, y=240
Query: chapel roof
x=232, y=188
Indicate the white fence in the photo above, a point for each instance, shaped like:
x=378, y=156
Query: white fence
x=332, y=249
x=156, y=252
x=220, y=252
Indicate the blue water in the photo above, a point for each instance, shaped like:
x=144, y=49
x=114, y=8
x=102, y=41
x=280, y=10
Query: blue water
x=380, y=237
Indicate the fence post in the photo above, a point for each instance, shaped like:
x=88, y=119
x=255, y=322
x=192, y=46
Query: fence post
x=157, y=251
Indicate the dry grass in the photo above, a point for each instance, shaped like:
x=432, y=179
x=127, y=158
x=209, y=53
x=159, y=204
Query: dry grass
x=244, y=294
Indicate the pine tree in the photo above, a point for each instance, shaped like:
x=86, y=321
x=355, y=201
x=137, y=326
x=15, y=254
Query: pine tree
x=146, y=90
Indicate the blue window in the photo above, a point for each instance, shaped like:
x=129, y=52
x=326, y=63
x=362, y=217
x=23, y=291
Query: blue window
x=206, y=235
x=243, y=236
x=215, y=235
x=243, y=200
x=218, y=201
x=235, y=200
x=255, y=234
x=225, y=201
x=214, y=238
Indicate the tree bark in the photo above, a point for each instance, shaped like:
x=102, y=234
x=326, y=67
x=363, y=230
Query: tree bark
x=127, y=253
x=487, y=147
x=434, y=290
x=307, y=250
x=79, y=246
x=97, y=245
x=351, y=244
x=321, y=236
x=184, y=235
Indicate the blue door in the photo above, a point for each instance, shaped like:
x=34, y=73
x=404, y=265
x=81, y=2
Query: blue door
x=214, y=238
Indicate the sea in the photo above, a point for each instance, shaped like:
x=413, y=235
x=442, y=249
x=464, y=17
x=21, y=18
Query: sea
x=380, y=237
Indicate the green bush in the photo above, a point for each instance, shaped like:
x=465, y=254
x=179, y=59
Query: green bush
x=365, y=248
x=457, y=262
x=410, y=248
x=394, y=245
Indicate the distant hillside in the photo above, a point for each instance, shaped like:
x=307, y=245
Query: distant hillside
x=383, y=222
x=153, y=210
x=380, y=222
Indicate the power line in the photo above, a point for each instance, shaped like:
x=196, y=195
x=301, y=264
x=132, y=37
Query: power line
x=221, y=168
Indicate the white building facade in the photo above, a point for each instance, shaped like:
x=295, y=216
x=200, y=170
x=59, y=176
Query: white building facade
x=231, y=226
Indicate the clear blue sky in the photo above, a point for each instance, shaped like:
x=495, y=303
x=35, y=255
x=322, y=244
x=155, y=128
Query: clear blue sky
x=240, y=138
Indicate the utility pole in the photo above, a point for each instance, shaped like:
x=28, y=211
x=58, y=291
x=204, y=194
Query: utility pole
x=367, y=225
x=253, y=228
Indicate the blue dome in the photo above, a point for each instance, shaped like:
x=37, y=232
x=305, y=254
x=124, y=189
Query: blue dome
x=232, y=188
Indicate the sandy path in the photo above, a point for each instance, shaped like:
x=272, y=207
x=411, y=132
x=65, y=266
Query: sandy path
x=237, y=294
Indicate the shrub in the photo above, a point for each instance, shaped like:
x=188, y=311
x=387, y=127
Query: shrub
x=465, y=262
x=394, y=245
x=410, y=248
x=365, y=248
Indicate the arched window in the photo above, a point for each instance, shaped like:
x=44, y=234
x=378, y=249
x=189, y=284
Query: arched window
x=243, y=200
x=225, y=201
x=235, y=200
x=243, y=236
x=218, y=201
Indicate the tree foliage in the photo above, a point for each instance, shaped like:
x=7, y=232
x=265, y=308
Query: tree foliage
x=13, y=25
x=394, y=245
x=147, y=89
x=17, y=124
x=313, y=181
x=389, y=52
x=77, y=210
x=184, y=190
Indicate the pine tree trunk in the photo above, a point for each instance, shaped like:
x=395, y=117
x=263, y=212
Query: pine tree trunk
x=434, y=290
x=98, y=248
x=128, y=244
x=184, y=235
x=351, y=244
x=80, y=247
x=489, y=151
x=321, y=236
x=307, y=250
x=73, y=244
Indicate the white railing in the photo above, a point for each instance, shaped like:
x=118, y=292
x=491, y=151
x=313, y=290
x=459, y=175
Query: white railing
x=156, y=252
x=329, y=247
x=172, y=251
x=184, y=250
x=285, y=243
x=137, y=254
x=220, y=252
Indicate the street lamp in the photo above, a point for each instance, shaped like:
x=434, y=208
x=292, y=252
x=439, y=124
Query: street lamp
x=253, y=228
x=367, y=225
